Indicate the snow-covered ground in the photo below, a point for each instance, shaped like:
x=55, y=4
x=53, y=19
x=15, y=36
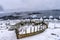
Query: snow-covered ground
x=52, y=33
x=6, y=24
x=7, y=35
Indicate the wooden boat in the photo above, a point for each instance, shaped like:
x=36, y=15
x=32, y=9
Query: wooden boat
x=35, y=28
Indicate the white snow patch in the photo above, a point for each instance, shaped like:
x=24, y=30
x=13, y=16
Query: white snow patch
x=7, y=35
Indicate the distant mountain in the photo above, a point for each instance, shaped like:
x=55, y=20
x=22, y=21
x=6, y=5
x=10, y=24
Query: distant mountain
x=56, y=10
x=10, y=17
x=39, y=14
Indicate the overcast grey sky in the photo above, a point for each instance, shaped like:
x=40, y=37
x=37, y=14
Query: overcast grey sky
x=30, y=4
